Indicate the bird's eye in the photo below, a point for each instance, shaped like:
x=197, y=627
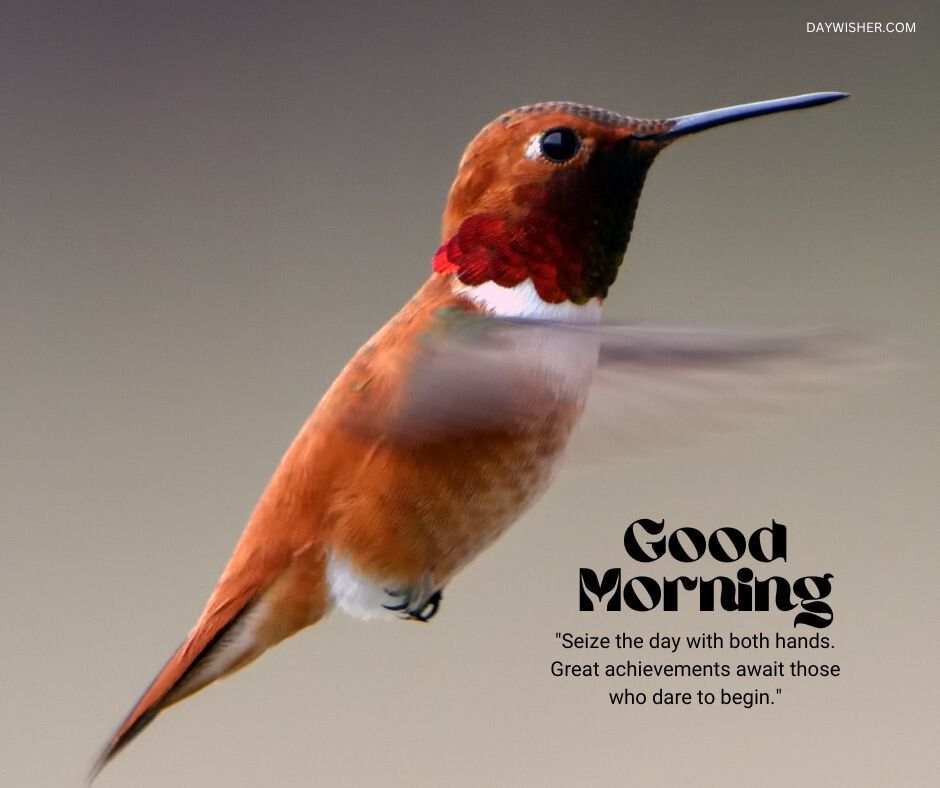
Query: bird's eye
x=559, y=145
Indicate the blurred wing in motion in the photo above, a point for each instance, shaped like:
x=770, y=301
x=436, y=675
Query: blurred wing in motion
x=659, y=386
x=651, y=385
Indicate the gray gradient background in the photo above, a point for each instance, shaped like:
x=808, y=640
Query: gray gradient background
x=205, y=212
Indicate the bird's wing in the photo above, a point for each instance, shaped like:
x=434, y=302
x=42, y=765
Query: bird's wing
x=666, y=385
x=652, y=385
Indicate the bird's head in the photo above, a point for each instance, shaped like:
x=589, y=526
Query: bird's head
x=547, y=193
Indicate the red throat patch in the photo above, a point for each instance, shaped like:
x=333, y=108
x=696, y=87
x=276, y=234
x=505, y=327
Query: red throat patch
x=486, y=248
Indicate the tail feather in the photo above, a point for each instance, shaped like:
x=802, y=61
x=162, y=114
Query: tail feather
x=273, y=586
x=219, y=644
x=262, y=598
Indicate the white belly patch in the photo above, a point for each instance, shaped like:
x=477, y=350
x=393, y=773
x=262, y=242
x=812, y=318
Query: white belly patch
x=355, y=593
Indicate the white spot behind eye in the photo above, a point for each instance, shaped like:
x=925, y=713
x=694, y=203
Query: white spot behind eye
x=533, y=148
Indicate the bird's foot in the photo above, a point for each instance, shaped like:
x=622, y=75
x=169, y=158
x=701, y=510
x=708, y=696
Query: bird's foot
x=400, y=598
x=430, y=608
x=415, y=603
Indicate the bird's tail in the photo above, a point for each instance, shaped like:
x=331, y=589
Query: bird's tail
x=243, y=618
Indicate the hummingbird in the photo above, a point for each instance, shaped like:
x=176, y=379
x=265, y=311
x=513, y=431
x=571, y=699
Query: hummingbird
x=453, y=418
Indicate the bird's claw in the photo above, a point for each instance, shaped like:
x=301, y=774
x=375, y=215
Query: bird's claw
x=423, y=614
x=404, y=593
x=424, y=608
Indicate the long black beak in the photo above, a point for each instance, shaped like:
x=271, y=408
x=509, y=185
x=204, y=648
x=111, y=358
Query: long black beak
x=689, y=124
